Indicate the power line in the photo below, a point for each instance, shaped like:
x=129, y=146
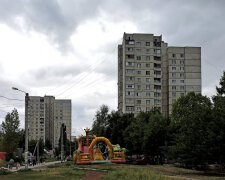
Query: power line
x=11, y=98
x=82, y=78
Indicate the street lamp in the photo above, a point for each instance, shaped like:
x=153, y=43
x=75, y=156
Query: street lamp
x=26, y=125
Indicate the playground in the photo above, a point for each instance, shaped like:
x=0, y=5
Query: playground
x=98, y=150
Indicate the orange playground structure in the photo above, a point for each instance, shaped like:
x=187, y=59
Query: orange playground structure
x=92, y=154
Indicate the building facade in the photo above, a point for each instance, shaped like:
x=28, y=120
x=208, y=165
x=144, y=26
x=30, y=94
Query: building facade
x=45, y=116
x=151, y=74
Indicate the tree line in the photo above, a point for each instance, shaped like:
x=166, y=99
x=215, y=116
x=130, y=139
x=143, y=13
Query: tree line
x=193, y=134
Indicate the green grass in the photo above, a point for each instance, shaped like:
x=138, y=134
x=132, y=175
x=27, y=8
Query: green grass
x=129, y=173
x=49, y=174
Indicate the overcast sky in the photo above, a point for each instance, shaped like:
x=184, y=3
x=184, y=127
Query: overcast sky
x=69, y=48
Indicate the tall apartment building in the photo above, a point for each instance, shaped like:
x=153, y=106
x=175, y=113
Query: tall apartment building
x=45, y=116
x=151, y=74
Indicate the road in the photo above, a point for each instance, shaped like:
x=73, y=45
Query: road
x=38, y=166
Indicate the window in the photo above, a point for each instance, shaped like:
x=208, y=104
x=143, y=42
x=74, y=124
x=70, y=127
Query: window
x=130, y=86
x=138, y=93
x=130, y=42
x=157, y=80
x=173, y=100
x=181, y=62
x=129, y=108
x=129, y=49
x=129, y=93
x=181, y=74
x=181, y=87
x=147, y=57
x=157, y=65
x=138, y=72
x=129, y=63
x=174, y=94
x=182, y=94
x=138, y=50
x=130, y=56
x=147, y=108
x=147, y=101
x=173, y=74
x=157, y=87
x=148, y=87
x=181, y=55
x=138, y=108
x=173, y=87
x=157, y=51
x=138, y=57
x=129, y=71
x=147, y=65
x=182, y=68
x=147, y=79
x=173, y=55
x=148, y=94
x=173, y=81
x=157, y=94
x=157, y=101
x=147, y=50
x=138, y=101
x=138, y=79
x=173, y=61
x=173, y=68
x=138, y=87
x=157, y=72
x=147, y=72
x=138, y=43
x=139, y=65
x=129, y=78
x=147, y=43
x=181, y=81
x=157, y=58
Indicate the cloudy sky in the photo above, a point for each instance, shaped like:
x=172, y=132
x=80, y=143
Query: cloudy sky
x=69, y=48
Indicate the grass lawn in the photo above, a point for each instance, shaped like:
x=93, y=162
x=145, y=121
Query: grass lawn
x=69, y=171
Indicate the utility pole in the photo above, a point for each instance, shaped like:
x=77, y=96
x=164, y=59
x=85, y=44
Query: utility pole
x=62, y=149
x=26, y=130
x=26, y=125
x=38, y=152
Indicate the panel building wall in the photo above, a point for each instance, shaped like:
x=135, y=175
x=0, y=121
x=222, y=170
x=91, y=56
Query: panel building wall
x=45, y=116
x=148, y=77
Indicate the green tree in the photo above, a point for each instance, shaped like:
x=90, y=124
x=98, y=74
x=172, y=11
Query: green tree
x=11, y=128
x=155, y=134
x=221, y=90
x=101, y=123
x=190, y=121
x=217, y=126
x=48, y=144
x=33, y=144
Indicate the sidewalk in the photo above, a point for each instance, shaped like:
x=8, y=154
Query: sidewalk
x=37, y=166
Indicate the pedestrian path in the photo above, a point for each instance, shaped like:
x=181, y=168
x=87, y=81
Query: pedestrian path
x=37, y=166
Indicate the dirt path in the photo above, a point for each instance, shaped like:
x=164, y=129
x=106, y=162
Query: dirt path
x=93, y=175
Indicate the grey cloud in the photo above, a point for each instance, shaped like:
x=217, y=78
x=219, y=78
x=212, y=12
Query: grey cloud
x=56, y=19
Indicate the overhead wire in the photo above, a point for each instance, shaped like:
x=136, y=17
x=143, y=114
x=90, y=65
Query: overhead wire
x=80, y=80
x=11, y=98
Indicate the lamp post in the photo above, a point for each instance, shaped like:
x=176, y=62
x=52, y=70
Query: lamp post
x=26, y=125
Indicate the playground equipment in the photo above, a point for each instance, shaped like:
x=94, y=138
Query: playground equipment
x=93, y=154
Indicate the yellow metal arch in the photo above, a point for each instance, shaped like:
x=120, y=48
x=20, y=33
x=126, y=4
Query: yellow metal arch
x=93, y=143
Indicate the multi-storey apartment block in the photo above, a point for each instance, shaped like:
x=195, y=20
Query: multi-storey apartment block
x=146, y=73
x=45, y=116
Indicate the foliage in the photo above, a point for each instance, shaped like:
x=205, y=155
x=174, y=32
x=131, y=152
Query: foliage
x=11, y=128
x=100, y=123
x=48, y=144
x=221, y=90
x=32, y=144
x=190, y=119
